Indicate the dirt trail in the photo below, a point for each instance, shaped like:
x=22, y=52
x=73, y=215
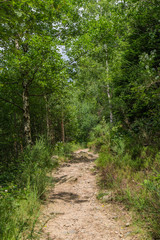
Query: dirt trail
x=74, y=211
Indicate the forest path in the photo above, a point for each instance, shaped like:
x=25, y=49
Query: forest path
x=74, y=211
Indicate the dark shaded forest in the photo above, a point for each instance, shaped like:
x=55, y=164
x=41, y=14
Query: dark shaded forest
x=79, y=72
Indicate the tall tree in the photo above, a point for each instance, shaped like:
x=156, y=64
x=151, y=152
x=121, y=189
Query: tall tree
x=30, y=52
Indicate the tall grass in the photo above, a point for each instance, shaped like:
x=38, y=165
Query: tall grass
x=133, y=172
x=20, y=194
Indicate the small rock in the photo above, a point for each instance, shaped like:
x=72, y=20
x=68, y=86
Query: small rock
x=127, y=224
x=55, y=157
x=107, y=197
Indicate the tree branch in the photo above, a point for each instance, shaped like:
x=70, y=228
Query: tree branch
x=41, y=95
x=5, y=100
x=11, y=82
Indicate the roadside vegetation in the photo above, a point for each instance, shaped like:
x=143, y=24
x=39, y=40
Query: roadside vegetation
x=132, y=173
x=23, y=187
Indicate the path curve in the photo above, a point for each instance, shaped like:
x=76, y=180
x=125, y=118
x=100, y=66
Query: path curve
x=73, y=209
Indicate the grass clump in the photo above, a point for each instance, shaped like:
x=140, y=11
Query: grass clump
x=20, y=195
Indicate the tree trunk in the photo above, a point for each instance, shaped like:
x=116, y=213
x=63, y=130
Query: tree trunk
x=110, y=104
x=49, y=124
x=62, y=128
x=26, y=115
x=108, y=87
x=15, y=141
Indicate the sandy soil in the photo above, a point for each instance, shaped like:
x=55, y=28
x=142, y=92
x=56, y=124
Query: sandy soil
x=75, y=213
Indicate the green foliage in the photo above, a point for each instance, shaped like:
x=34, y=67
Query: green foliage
x=35, y=163
x=19, y=205
x=133, y=172
x=86, y=120
x=100, y=136
x=65, y=149
x=111, y=68
x=18, y=215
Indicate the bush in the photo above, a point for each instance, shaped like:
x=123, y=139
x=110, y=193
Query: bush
x=100, y=136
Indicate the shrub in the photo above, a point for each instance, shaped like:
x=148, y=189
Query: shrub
x=100, y=136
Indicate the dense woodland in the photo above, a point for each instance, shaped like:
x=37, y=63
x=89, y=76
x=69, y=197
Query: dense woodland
x=85, y=72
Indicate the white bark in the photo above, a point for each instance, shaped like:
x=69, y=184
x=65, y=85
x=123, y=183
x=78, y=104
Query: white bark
x=26, y=115
x=108, y=87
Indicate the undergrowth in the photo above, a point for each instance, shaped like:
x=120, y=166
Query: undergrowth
x=132, y=171
x=22, y=186
x=65, y=150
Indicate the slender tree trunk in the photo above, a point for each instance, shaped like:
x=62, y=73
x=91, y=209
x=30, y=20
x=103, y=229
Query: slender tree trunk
x=52, y=135
x=26, y=115
x=108, y=87
x=47, y=118
x=62, y=128
x=17, y=44
x=49, y=124
x=15, y=141
x=110, y=104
